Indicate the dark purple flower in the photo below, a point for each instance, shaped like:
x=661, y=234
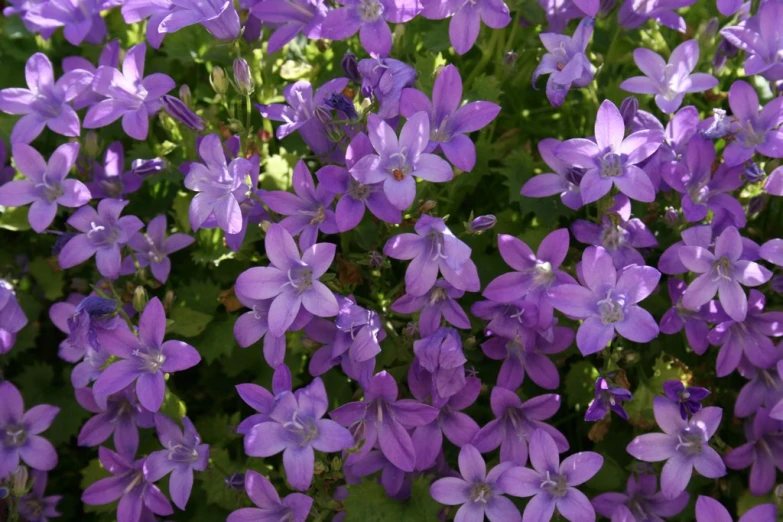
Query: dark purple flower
x=688, y=398
x=121, y=417
x=110, y=179
x=294, y=507
x=385, y=79
x=607, y=398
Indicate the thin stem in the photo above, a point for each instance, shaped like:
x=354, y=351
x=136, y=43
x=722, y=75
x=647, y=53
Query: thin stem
x=119, y=307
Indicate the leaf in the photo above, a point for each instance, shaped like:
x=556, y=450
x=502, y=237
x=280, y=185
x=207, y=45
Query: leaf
x=213, y=482
x=180, y=205
x=187, y=322
x=50, y=280
x=486, y=88
x=666, y=368
x=367, y=502
x=14, y=219
x=200, y=295
x=90, y=475
x=579, y=384
x=218, y=341
x=427, y=65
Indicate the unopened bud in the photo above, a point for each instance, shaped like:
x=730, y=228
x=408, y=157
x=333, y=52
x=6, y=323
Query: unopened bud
x=427, y=206
x=337, y=464
x=219, y=81
x=61, y=241
x=376, y=259
x=140, y=299
x=671, y=217
x=711, y=29
x=144, y=167
x=168, y=299
x=510, y=58
x=236, y=481
x=185, y=95
x=320, y=468
x=19, y=478
x=242, y=77
x=483, y=223
x=178, y=110
x=753, y=172
x=756, y=205
x=4, y=492
x=350, y=66
x=777, y=283
x=628, y=109
x=91, y=144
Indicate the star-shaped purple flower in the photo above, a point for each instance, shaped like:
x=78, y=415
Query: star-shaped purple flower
x=607, y=398
x=294, y=507
x=153, y=248
x=439, y=303
x=642, y=499
x=710, y=510
x=110, y=179
x=219, y=17
x=566, y=62
x=563, y=181
x=290, y=19
x=755, y=130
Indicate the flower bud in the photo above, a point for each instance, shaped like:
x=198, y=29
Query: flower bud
x=376, y=259
x=168, y=299
x=140, y=299
x=219, y=81
x=177, y=109
x=711, y=29
x=483, y=223
x=185, y=94
x=427, y=206
x=337, y=464
x=350, y=66
x=242, y=77
x=91, y=144
x=4, y=492
x=671, y=216
x=628, y=109
x=144, y=167
x=753, y=172
x=320, y=468
x=340, y=103
x=236, y=481
x=510, y=58
x=756, y=205
x=19, y=478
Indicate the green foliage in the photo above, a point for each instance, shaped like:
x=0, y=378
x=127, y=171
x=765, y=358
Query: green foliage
x=367, y=502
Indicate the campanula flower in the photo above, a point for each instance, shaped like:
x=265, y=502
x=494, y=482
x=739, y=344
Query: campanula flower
x=440, y=302
x=643, y=501
x=110, y=179
x=294, y=507
x=760, y=40
x=710, y=510
x=291, y=18
x=563, y=181
x=384, y=79
x=566, y=62
x=763, y=452
x=607, y=398
x=754, y=128
x=121, y=417
x=219, y=17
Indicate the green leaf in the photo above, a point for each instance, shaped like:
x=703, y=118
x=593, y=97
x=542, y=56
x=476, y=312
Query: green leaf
x=180, y=205
x=368, y=502
x=218, y=341
x=14, y=219
x=213, y=481
x=579, y=383
x=187, y=322
x=665, y=369
x=200, y=295
x=50, y=280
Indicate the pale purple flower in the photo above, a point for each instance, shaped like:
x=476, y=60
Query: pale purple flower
x=339, y=348
x=12, y=317
x=46, y=185
x=220, y=185
x=449, y=120
x=515, y=422
x=710, y=510
x=139, y=498
x=153, y=248
x=431, y=249
x=759, y=37
x=356, y=195
x=565, y=62
x=384, y=79
x=219, y=17
x=369, y=18
x=102, y=234
x=633, y=13
x=396, y=482
x=261, y=400
x=92, y=316
x=477, y=492
x=755, y=129
x=183, y=455
x=564, y=181
x=694, y=322
x=728, y=7
x=110, y=56
x=607, y=398
x=270, y=508
x=296, y=428
x=763, y=389
x=440, y=302
x=129, y=95
x=154, y=11
x=364, y=328
x=110, y=179
x=466, y=18
x=721, y=272
x=763, y=452
x=608, y=302
x=441, y=354
x=397, y=162
x=81, y=19
x=21, y=431
x=612, y=159
x=121, y=416
x=559, y=13
x=45, y=102
x=669, y=81
x=642, y=500
x=292, y=281
x=34, y=506
x=683, y=445
x=144, y=359
x=551, y=483
x=290, y=18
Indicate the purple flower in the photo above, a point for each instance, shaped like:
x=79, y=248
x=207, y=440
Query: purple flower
x=440, y=302
x=340, y=348
x=477, y=492
x=294, y=507
x=618, y=234
x=110, y=56
x=526, y=354
x=355, y=195
x=81, y=19
x=466, y=19
x=564, y=181
x=385, y=79
x=138, y=497
x=754, y=129
x=259, y=398
x=552, y=484
x=364, y=328
x=45, y=102
x=710, y=510
x=764, y=389
x=291, y=18
x=307, y=211
x=219, y=17
x=34, y=506
x=687, y=398
x=759, y=38
x=110, y=179
x=515, y=422
x=296, y=428
x=398, y=162
x=178, y=110
x=369, y=18
x=45, y=186
x=433, y=248
x=683, y=444
x=633, y=14
x=129, y=94
x=7, y=172
x=448, y=120
x=607, y=398
x=566, y=62
x=292, y=281
x=384, y=420
x=300, y=113
x=144, y=359
x=134, y=11
x=395, y=481
x=92, y=316
x=441, y=355
x=608, y=302
x=21, y=430
x=153, y=247
x=102, y=234
x=220, y=185
x=612, y=159
x=643, y=501
x=121, y=417
x=184, y=454
x=763, y=452
x=12, y=317
x=669, y=81
x=721, y=272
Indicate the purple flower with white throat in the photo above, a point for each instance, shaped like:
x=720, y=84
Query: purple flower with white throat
x=144, y=359
x=153, y=247
x=110, y=179
x=642, y=500
x=20, y=432
x=292, y=281
x=688, y=398
x=552, y=484
x=296, y=428
x=293, y=17
x=449, y=120
x=397, y=162
x=102, y=234
x=683, y=445
x=294, y=507
x=565, y=62
x=721, y=272
x=110, y=56
x=563, y=181
x=608, y=302
x=710, y=510
x=669, y=81
x=139, y=498
x=129, y=95
x=433, y=248
x=45, y=102
x=441, y=355
x=34, y=506
x=607, y=398
x=307, y=211
x=440, y=302
x=46, y=185
x=369, y=18
x=612, y=159
x=759, y=37
x=81, y=19
x=218, y=17
x=183, y=455
x=763, y=452
x=755, y=129
x=477, y=492
x=466, y=18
